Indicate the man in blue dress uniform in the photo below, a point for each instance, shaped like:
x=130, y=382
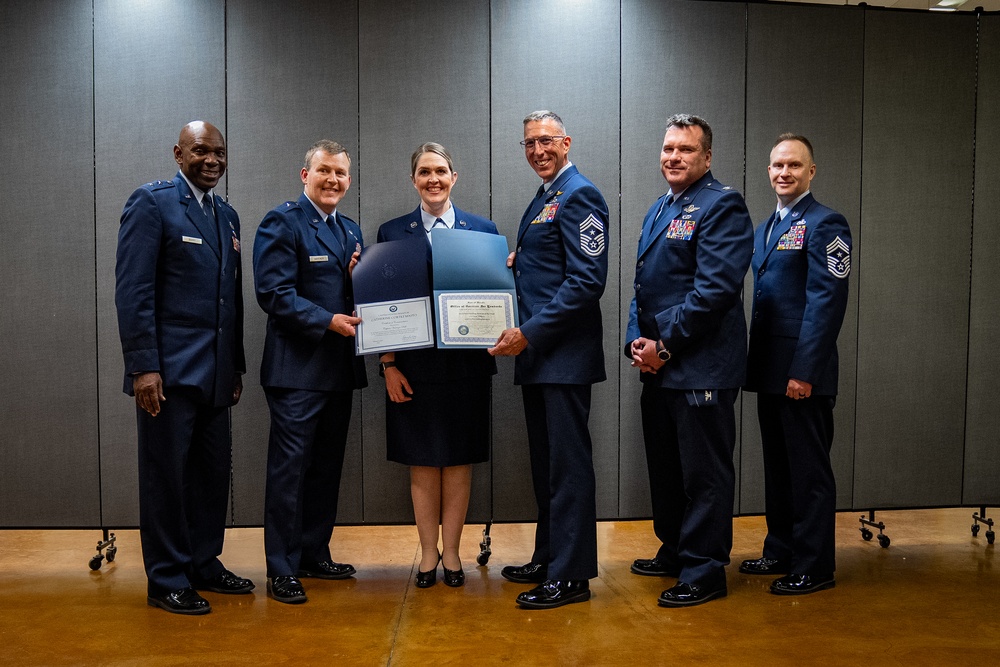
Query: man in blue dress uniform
x=687, y=336
x=561, y=265
x=303, y=256
x=178, y=293
x=802, y=258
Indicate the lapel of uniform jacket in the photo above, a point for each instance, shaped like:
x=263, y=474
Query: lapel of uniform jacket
x=194, y=212
x=781, y=228
x=676, y=208
x=553, y=193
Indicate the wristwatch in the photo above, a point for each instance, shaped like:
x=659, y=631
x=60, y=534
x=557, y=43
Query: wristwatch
x=382, y=365
x=662, y=352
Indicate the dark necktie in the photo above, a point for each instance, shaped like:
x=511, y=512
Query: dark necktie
x=770, y=227
x=338, y=231
x=207, y=205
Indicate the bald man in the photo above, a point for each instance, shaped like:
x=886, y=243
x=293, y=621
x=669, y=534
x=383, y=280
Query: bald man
x=180, y=317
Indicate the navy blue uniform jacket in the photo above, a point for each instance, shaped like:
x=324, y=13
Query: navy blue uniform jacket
x=688, y=278
x=560, y=271
x=178, y=291
x=301, y=280
x=800, y=297
x=428, y=365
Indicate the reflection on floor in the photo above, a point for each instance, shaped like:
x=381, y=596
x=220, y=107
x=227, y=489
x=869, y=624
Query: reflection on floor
x=931, y=598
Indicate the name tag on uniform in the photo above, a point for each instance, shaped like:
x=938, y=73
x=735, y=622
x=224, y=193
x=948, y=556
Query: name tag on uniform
x=794, y=237
x=319, y=258
x=191, y=239
x=681, y=229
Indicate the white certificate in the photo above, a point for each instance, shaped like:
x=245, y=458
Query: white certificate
x=394, y=325
x=473, y=319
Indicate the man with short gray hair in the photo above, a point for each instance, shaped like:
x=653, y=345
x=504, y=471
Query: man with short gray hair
x=561, y=265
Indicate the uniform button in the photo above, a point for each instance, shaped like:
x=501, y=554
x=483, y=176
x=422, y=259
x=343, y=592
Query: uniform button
x=638, y=287
x=639, y=265
x=222, y=301
x=761, y=272
x=518, y=248
x=756, y=316
x=758, y=292
x=639, y=311
x=518, y=297
x=518, y=274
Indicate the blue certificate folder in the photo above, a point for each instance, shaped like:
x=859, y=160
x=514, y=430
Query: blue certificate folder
x=474, y=293
x=392, y=295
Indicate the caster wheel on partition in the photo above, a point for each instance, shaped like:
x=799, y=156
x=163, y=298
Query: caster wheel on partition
x=111, y=554
x=991, y=536
x=883, y=541
x=866, y=535
x=483, y=558
x=95, y=562
x=975, y=529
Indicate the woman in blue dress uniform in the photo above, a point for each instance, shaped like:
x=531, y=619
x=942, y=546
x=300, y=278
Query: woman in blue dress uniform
x=437, y=401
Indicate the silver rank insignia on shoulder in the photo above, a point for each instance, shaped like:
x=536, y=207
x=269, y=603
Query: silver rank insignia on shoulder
x=691, y=208
x=462, y=223
x=728, y=187
x=838, y=258
x=592, y=236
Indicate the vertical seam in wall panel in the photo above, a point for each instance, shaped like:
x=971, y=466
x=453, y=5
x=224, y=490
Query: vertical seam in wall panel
x=972, y=235
x=225, y=119
x=361, y=397
x=97, y=341
x=489, y=207
x=621, y=259
x=857, y=253
x=746, y=124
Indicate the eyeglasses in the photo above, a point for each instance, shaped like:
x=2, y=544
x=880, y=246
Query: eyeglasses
x=544, y=142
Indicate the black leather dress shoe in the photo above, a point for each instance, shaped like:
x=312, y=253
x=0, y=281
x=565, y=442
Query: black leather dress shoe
x=654, y=567
x=688, y=595
x=764, y=565
x=225, y=582
x=802, y=584
x=552, y=594
x=529, y=573
x=454, y=578
x=286, y=589
x=426, y=579
x=183, y=601
x=326, y=569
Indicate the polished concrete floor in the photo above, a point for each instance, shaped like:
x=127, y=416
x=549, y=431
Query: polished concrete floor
x=931, y=598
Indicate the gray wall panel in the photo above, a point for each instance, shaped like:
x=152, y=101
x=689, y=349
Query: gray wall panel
x=915, y=229
x=548, y=56
x=48, y=407
x=806, y=96
x=156, y=67
x=669, y=51
x=426, y=79
x=982, y=455
x=292, y=80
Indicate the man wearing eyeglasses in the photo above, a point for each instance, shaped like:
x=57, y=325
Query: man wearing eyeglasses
x=687, y=336
x=560, y=267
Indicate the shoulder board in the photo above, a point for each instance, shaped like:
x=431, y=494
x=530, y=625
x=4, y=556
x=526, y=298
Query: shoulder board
x=160, y=185
x=719, y=187
x=289, y=205
x=226, y=203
